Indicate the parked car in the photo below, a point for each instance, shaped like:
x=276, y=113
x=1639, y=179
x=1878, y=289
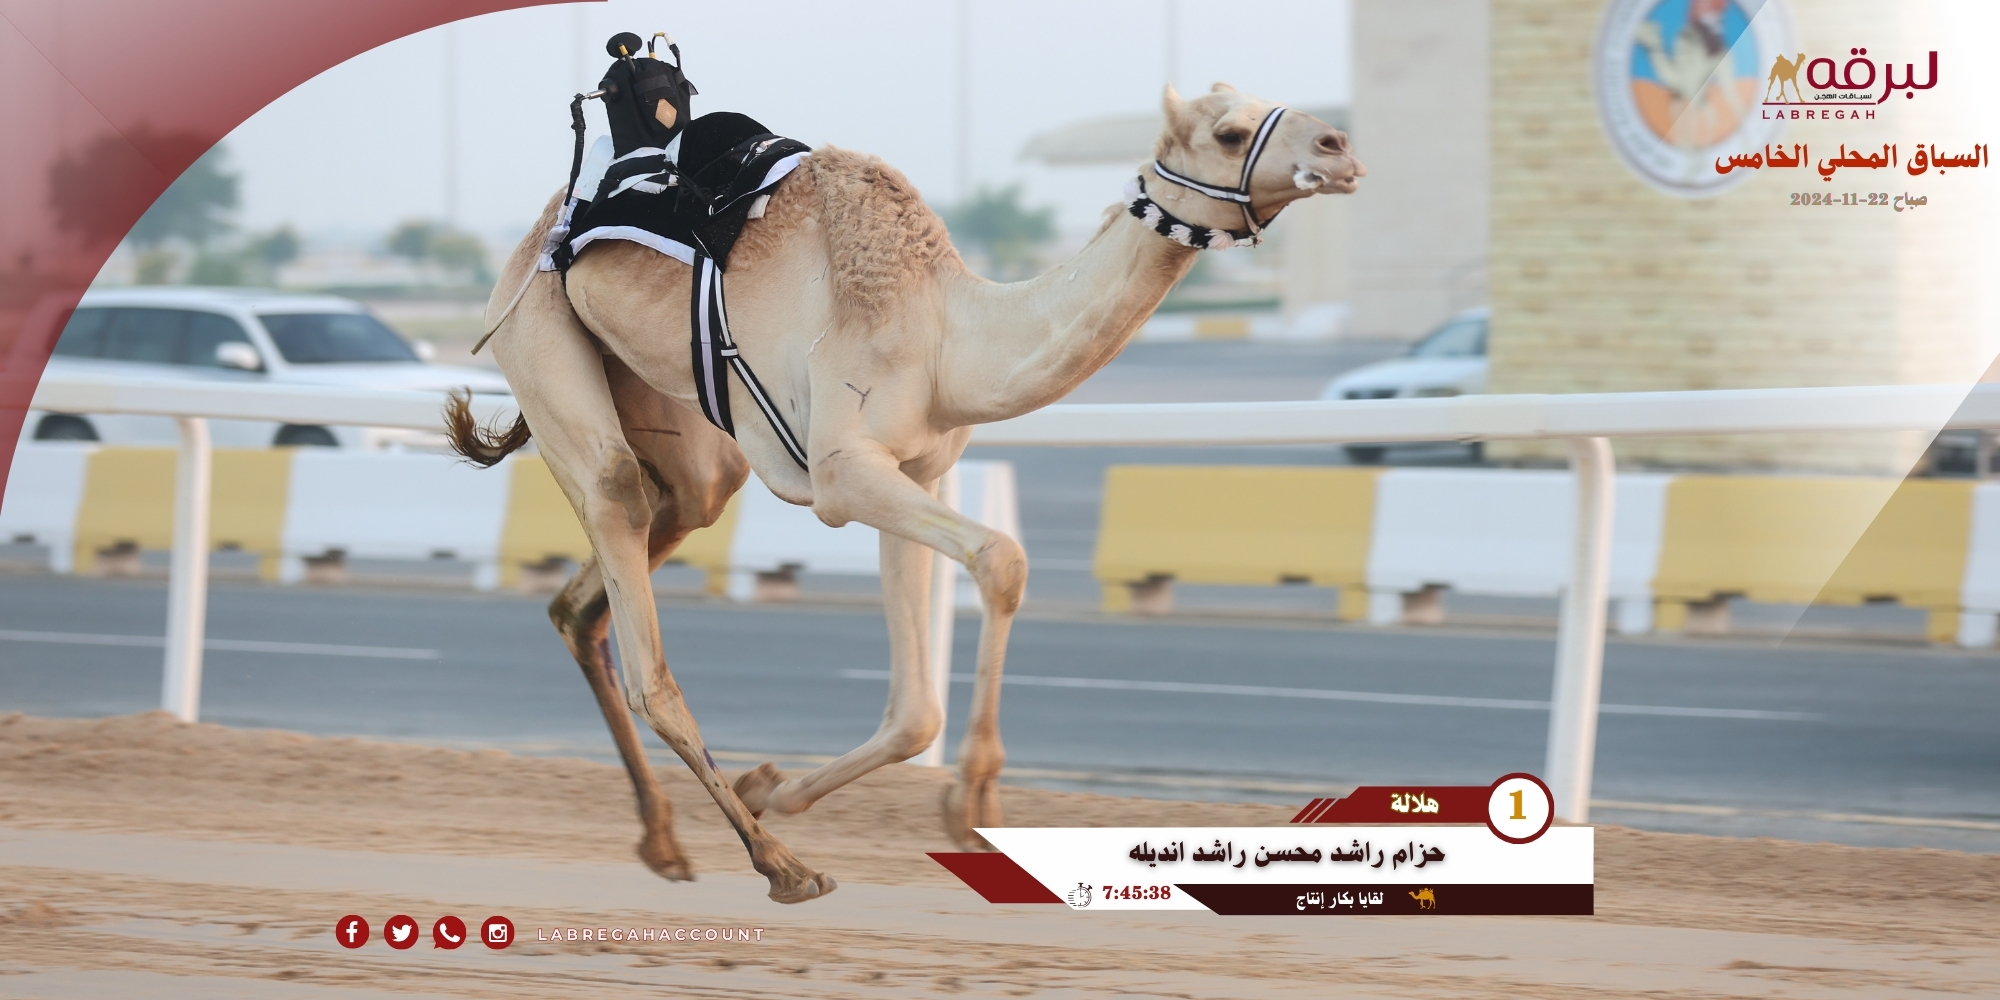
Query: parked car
x=1449, y=361
x=228, y=335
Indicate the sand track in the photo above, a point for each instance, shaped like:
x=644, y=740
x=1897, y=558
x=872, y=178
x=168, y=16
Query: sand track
x=140, y=853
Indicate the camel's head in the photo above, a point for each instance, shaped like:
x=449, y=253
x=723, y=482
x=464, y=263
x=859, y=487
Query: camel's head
x=1209, y=137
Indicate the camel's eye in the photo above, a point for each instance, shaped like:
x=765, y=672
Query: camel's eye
x=1231, y=138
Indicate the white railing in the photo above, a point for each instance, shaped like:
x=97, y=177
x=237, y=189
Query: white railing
x=1586, y=420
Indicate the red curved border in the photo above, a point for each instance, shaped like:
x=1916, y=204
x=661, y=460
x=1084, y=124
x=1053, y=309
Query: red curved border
x=162, y=81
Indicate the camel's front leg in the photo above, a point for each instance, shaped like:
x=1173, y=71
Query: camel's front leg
x=911, y=720
x=865, y=484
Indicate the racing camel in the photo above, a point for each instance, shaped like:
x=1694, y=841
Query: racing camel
x=881, y=351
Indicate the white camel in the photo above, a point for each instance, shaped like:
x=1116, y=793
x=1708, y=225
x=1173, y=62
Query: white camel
x=881, y=351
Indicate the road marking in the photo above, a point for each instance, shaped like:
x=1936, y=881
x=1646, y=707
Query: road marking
x=1325, y=694
x=225, y=645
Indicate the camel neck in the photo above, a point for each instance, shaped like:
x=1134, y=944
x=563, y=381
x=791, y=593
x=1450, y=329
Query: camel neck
x=1013, y=348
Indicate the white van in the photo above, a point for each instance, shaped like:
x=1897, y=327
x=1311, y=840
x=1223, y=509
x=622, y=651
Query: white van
x=239, y=335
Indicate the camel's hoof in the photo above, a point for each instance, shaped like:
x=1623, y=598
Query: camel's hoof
x=801, y=887
x=755, y=786
x=963, y=813
x=660, y=854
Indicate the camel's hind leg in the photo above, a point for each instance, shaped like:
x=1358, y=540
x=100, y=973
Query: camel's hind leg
x=581, y=614
x=559, y=378
x=695, y=468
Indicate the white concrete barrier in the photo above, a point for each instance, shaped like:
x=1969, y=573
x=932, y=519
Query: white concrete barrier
x=1504, y=533
x=44, y=494
x=776, y=539
x=380, y=505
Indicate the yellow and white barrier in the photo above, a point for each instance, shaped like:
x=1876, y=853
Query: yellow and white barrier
x=44, y=493
x=379, y=505
x=289, y=505
x=1393, y=540
x=1818, y=540
x=1508, y=533
x=1234, y=524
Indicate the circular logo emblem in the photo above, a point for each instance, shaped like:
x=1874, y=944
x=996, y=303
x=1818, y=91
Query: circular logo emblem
x=1519, y=808
x=1679, y=83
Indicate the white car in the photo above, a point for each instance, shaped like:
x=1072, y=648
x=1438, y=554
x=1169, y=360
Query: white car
x=1449, y=361
x=239, y=335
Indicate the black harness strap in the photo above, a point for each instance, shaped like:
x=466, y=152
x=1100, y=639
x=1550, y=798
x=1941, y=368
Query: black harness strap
x=1240, y=194
x=714, y=348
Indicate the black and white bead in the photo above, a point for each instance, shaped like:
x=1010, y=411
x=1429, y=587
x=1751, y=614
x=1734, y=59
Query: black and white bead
x=1159, y=220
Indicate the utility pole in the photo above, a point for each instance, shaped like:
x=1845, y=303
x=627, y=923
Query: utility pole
x=451, y=126
x=964, y=100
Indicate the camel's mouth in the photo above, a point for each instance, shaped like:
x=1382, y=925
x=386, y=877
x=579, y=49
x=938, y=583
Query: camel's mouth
x=1318, y=181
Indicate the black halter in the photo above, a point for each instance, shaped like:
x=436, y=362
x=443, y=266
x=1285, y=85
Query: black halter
x=1252, y=232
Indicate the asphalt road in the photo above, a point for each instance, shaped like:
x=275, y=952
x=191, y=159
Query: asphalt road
x=1714, y=737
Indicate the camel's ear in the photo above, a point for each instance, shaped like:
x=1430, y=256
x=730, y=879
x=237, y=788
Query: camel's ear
x=1180, y=123
x=1221, y=88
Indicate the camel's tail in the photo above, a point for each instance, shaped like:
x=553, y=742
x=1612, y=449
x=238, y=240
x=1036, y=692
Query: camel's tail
x=484, y=447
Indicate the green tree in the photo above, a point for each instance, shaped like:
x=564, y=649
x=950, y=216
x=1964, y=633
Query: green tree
x=411, y=239
x=97, y=191
x=154, y=266
x=274, y=249
x=216, y=267
x=419, y=240
x=996, y=224
x=461, y=252
x=194, y=207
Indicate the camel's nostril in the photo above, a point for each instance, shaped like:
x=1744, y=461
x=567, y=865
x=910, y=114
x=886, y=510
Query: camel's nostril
x=1330, y=143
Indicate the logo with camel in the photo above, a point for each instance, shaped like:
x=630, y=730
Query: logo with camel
x=1860, y=79
x=1426, y=899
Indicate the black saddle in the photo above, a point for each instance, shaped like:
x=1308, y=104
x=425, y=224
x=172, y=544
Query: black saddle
x=703, y=198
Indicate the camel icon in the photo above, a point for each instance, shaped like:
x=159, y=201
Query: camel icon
x=1785, y=71
x=1426, y=899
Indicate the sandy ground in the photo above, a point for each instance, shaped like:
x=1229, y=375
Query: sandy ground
x=143, y=857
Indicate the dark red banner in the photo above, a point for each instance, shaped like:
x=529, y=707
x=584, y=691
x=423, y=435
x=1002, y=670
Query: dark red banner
x=1456, y=900
x=105, y=102
x=1401, y=804
x=995, y=876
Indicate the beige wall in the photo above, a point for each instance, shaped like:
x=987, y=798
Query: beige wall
x=1314, y=241
x=1420, y=125
x=1603, y=284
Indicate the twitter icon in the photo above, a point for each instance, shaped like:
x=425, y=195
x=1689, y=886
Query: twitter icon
x=400, y=931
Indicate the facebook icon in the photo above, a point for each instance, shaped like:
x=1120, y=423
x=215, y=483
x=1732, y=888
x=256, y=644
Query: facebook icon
x=351, y=931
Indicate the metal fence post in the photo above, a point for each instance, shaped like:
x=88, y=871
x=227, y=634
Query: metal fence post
x=944, y=611
x=1572, y=747
x=187, y=583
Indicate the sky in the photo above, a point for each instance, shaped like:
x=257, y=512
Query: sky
x=363, y=145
